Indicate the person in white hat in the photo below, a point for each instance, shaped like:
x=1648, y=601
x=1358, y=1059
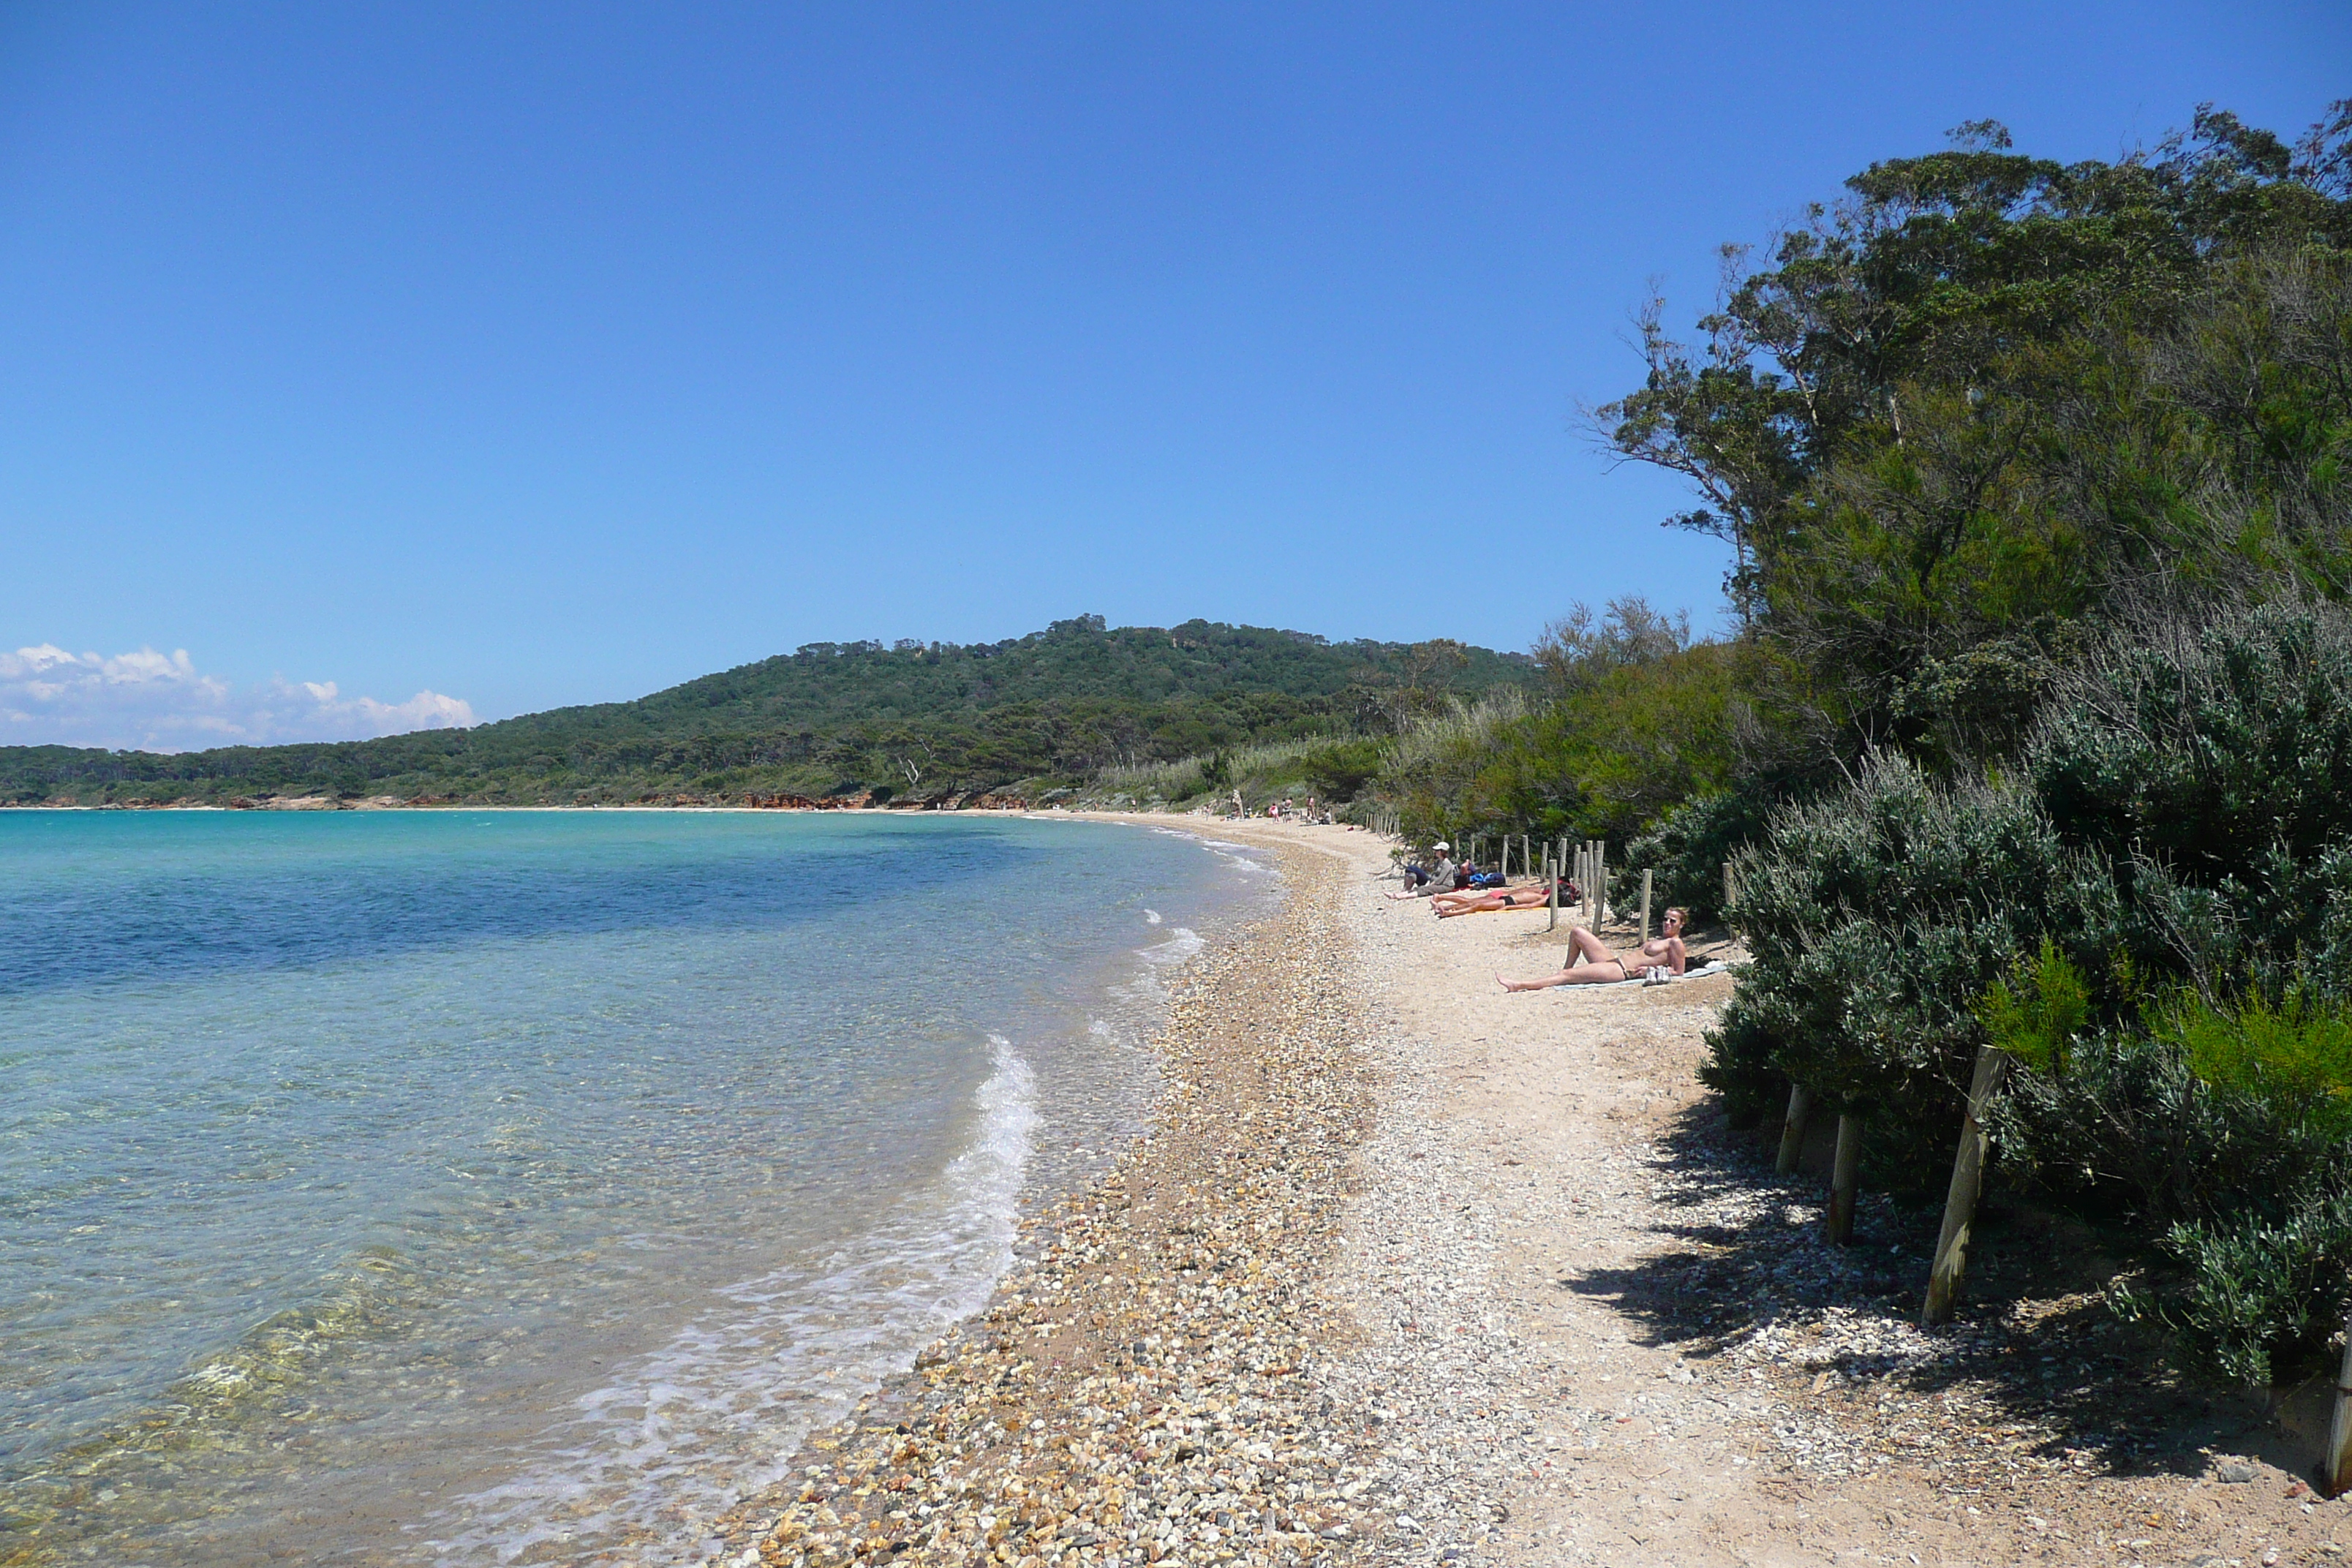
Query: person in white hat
x=1437, y=879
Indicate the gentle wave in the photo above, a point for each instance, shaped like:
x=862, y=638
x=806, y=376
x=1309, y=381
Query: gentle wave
x=636, y=1469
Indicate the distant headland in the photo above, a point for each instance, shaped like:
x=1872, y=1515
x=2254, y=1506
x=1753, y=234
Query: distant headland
x=1033, y=720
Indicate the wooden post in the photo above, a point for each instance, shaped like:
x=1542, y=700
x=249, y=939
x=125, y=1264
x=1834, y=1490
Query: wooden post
x=1951, y=1263
x=1726, y=886
x=1601, y=876
x=1793, y=1128
x=1645, y=909
x=1527, y=857
x=2335, y=1468
x=1551, y=875
x=1842, y=1179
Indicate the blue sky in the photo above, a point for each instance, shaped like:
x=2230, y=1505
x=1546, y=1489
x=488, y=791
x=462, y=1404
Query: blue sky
x=401, y=363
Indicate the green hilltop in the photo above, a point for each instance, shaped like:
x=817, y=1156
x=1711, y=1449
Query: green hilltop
x=934, y=720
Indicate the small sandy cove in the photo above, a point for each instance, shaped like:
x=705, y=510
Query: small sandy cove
x=1411, y=1270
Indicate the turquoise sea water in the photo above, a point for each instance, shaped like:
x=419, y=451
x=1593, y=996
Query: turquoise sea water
x=487, y=1188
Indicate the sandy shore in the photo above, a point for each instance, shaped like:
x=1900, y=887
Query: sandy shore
x=1412, y=1270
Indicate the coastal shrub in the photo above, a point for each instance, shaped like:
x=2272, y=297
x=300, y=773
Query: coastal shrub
x=1877, y=920
x=2296, y=1054
x=1632, y=719
x=2129, y=1133
x=1641, y=739
x=1434, y=762
x=1339, y=771
x=2224, y=1131
x=1171, y=782
x=1295, y=767
x=2036, y=1022
x=2213, y=762
x=1687, y=847
x=2258, y=1300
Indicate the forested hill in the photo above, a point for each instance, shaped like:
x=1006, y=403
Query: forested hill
x=837, y=719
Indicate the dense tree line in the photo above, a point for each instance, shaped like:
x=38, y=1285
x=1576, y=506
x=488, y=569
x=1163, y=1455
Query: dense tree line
x=1048, y=709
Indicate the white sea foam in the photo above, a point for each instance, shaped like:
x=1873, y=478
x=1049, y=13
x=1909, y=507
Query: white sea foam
x=677, y=1437
x=1240, y=857
x=1151, y=917
x=1183, y=942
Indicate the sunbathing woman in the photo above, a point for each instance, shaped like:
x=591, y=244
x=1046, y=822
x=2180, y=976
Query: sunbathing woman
x=1596, y=965
x=1529, y=896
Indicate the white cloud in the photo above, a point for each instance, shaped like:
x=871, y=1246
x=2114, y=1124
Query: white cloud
x=161, y=702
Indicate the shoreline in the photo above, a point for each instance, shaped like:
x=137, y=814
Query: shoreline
x=1411, y=1270
x=321, y=807
x=1148, y=1382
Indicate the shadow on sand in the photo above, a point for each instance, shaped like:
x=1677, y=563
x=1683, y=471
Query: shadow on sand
x=2035, y=1368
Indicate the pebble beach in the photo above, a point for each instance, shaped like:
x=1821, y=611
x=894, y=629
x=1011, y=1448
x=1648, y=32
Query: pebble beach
x=1408, y=1270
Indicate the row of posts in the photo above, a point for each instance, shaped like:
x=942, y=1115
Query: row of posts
x=1951, y=1262
x=1590, y=872
x=1591, y=868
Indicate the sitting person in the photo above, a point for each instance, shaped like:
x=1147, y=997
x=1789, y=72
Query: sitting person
x=1527, y=895
x=1420, y=881
x=1594, y=964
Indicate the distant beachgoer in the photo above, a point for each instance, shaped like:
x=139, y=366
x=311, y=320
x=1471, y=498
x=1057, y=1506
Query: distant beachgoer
x=1420, y=881
x=1596, y=965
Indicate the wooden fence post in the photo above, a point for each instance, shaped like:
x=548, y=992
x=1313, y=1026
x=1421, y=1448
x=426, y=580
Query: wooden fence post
x=1843, y=1177
x=1646, y=908
x=1726, y=886
x=2336, y=1469
x=1551, y=875
x=1793, y=1128
x=1951, y=1262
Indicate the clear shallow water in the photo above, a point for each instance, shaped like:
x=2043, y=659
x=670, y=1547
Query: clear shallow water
x=485, y=1187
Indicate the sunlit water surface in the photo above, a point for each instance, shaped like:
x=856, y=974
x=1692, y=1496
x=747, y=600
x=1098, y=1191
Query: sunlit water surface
x=495, y=1188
